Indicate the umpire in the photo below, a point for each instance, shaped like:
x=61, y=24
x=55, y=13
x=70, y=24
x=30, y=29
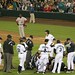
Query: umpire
x=8, y=52
x=30, y=44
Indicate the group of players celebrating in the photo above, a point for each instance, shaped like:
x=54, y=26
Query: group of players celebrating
x=50, y=56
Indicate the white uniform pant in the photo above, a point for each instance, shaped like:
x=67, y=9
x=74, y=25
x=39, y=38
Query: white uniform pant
x=52, y=52
x=32, y=17
x=41, y=66
x=70, y=58
x=21, y=31
x=24, y=61
x=21, y=59
x=58, y=60
x=0, y=59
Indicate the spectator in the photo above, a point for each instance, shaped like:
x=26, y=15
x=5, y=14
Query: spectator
x=14, y=5
x=47, y=8
x=10, y=6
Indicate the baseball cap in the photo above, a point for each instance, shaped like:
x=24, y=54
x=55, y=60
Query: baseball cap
x=58, y=41
x=47, y=31
x=68, y=39
x=0, y=38
x=23, y=38
x=31, y=36
x=9, y=36
x=46, y=40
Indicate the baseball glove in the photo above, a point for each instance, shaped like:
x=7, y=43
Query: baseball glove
x=24, y=25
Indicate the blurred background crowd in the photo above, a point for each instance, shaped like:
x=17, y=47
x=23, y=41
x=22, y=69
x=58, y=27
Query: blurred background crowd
x=63, y=6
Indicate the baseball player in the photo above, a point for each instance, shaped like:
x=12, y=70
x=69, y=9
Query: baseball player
x=51, y=39
x=70, y=47
x=1, y=51
x=21, y=55
x=59, y=50
x=21, y=22
x=49, y=36
x=44, y=49
x=25, y=53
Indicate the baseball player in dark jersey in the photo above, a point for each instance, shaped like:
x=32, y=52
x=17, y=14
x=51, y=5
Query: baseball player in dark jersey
x=70, y=47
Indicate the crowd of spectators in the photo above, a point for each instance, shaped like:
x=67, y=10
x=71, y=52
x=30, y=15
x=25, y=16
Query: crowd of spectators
x=64, y=6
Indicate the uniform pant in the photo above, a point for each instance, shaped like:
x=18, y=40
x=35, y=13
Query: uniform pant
x=24, y=59
x=7, y=62
x=51, y=53
x=28, y=59
x=41, y=65
x=21, y=31
x=32, y=17
x=21, y=59
x=70, y=58
x=58, y=60
x=0, y=59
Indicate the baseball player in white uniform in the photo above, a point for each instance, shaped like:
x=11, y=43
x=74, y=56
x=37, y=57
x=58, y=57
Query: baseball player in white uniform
x=51, y=39
x=1, y=51
x=21, y=22
x=25, y=46
x=59, y=50
x=21, y=55
x=44, y=49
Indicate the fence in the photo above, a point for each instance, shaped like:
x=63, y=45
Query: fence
x=46, y=15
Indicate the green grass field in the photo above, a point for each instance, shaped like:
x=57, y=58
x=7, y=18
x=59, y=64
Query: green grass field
x=60, y=32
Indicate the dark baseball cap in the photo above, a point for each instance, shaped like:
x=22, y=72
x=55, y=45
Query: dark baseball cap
x=9, y=36
x=46, y=40
x=58, y=41
x=0, y=38
x=68, y=39
x=21, y=40
x=47, y=31
x=31, y=36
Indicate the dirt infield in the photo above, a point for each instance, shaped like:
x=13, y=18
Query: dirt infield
x=44, y=21
x=41, y=21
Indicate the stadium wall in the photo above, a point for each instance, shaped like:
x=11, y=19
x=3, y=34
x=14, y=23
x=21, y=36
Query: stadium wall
x=46, y=15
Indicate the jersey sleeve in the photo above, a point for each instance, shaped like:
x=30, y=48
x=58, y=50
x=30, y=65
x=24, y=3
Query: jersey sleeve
x=25, y=19
x=0, y=45
x=52, y=37
x=17, y=19
x=40, y=48
x=1, y=49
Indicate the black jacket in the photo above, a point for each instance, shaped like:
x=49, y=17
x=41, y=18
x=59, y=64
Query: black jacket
x=8, y=46
x=70, y=47
x=30, y=44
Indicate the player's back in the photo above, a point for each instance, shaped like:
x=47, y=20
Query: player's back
x=59, y=48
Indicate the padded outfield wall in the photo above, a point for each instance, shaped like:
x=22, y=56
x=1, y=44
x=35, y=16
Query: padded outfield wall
x=51, y=15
